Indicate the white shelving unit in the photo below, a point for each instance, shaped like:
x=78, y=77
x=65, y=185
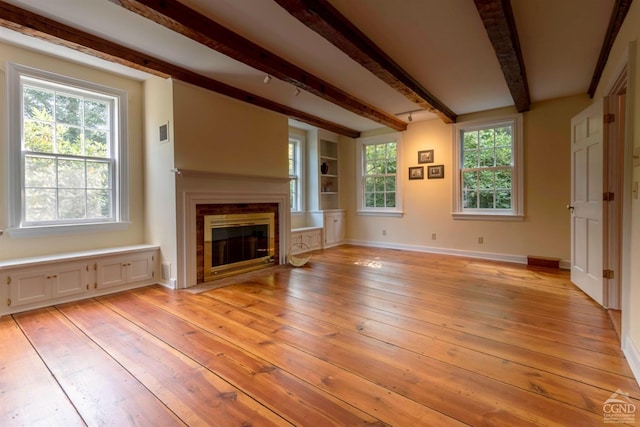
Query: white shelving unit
x=329, y=179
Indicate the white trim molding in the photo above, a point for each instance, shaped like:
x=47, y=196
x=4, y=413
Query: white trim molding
x=196, y=188
x=632, y=354
x=490, y=256
x=516, y=213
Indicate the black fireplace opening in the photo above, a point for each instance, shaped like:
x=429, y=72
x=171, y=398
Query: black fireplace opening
x=239, y=243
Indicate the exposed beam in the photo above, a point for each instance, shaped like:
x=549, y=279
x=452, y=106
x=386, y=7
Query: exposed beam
x=31, y=24
x=618, y=14
x=181, y=19
x=497, y=17
x=327, y=21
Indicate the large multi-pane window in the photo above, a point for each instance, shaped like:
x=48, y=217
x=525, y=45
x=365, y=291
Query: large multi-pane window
x=488, y=157
x=296, y=143
x=66, y=137
x=379, y=187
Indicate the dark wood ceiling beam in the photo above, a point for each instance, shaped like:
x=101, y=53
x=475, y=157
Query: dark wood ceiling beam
x=181, y=19
x=327, y=21
x=34, y=25
x=618, y=14
x=498, y=20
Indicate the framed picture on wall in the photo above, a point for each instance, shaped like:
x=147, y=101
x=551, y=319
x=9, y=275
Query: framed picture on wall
x=416, y=172
x=435, y=172
x=425, y=156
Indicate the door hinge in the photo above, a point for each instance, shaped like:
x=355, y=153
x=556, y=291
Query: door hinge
x=607, y=274
x=609, y=118
x=8, y=280
x=86, y=267
x=608, y=196
x=8, y=302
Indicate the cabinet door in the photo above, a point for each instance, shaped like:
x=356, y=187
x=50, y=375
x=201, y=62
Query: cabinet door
x=69, y=280
x=333, y=228
x=112, y=272
x=329, y=229
x=140, y=267
x=28, y=287
x=339, y=229
x=296, y=238
x=312, y=239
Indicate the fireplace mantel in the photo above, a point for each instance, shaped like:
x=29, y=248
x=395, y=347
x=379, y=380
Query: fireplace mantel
x=201, y=188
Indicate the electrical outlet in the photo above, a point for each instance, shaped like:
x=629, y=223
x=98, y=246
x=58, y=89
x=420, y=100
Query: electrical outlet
x=384, y=232
x=433, y=236
x=480, y=240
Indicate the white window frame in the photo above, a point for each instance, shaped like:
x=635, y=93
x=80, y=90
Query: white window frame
x=15, y=170
x=516, y=213
x=299, y=139
x=362, y=143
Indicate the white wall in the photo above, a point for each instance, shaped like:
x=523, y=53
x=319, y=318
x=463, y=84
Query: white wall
x=18, y=247
x=160, y=185
x=428, y=203
x=215, y=133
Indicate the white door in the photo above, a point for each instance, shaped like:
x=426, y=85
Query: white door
x=587, y=141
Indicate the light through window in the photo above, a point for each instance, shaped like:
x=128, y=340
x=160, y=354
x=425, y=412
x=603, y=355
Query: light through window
x=487, y=158
x=488, y=161
x=381, y=165
x=68, y=144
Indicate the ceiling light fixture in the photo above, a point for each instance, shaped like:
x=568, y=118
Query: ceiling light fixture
x=267, y=79
x=410, y=114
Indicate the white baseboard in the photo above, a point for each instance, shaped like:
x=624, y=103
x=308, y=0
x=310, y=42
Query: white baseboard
x=633, y=357
x=518, y=259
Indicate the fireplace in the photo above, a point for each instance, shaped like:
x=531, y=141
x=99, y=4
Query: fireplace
x=233, y=238
x=235, y=243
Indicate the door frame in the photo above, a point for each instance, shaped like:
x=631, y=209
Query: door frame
x=627, y=65
x=613, y=182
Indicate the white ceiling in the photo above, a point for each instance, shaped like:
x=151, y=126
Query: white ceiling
x=441, y=43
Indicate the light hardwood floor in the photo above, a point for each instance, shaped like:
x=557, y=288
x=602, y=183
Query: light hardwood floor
x=359, y=336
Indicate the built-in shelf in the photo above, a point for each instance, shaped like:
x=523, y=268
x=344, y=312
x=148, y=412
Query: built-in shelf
x=329, y=179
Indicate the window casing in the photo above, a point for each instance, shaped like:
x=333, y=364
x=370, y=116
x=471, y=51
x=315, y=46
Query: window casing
x=488, y=179
x=68, y=153
x=379, y=188
x=296, y=172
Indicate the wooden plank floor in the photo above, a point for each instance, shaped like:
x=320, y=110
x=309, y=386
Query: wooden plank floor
x=359, y=336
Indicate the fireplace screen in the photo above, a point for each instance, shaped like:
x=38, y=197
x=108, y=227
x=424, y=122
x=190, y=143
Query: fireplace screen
x=237, y=243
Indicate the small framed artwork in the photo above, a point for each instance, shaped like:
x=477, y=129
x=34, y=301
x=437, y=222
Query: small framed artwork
x=416, y=172
x=435, y=172
x=425, y=156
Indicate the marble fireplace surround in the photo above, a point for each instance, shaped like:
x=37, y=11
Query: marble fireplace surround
x=198, y=189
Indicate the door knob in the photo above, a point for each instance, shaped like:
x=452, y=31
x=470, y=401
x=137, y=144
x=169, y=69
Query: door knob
x=570, y=208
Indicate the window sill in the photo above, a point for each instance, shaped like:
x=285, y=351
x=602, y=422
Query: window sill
x=487, y=216
x=396, y=214
x=66, y=229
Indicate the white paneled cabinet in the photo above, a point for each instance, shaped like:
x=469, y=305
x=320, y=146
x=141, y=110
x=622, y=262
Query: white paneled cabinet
x=43, y=281
x=121, y=270
x=311, y=236
x=334, y=227
x=27, y=286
